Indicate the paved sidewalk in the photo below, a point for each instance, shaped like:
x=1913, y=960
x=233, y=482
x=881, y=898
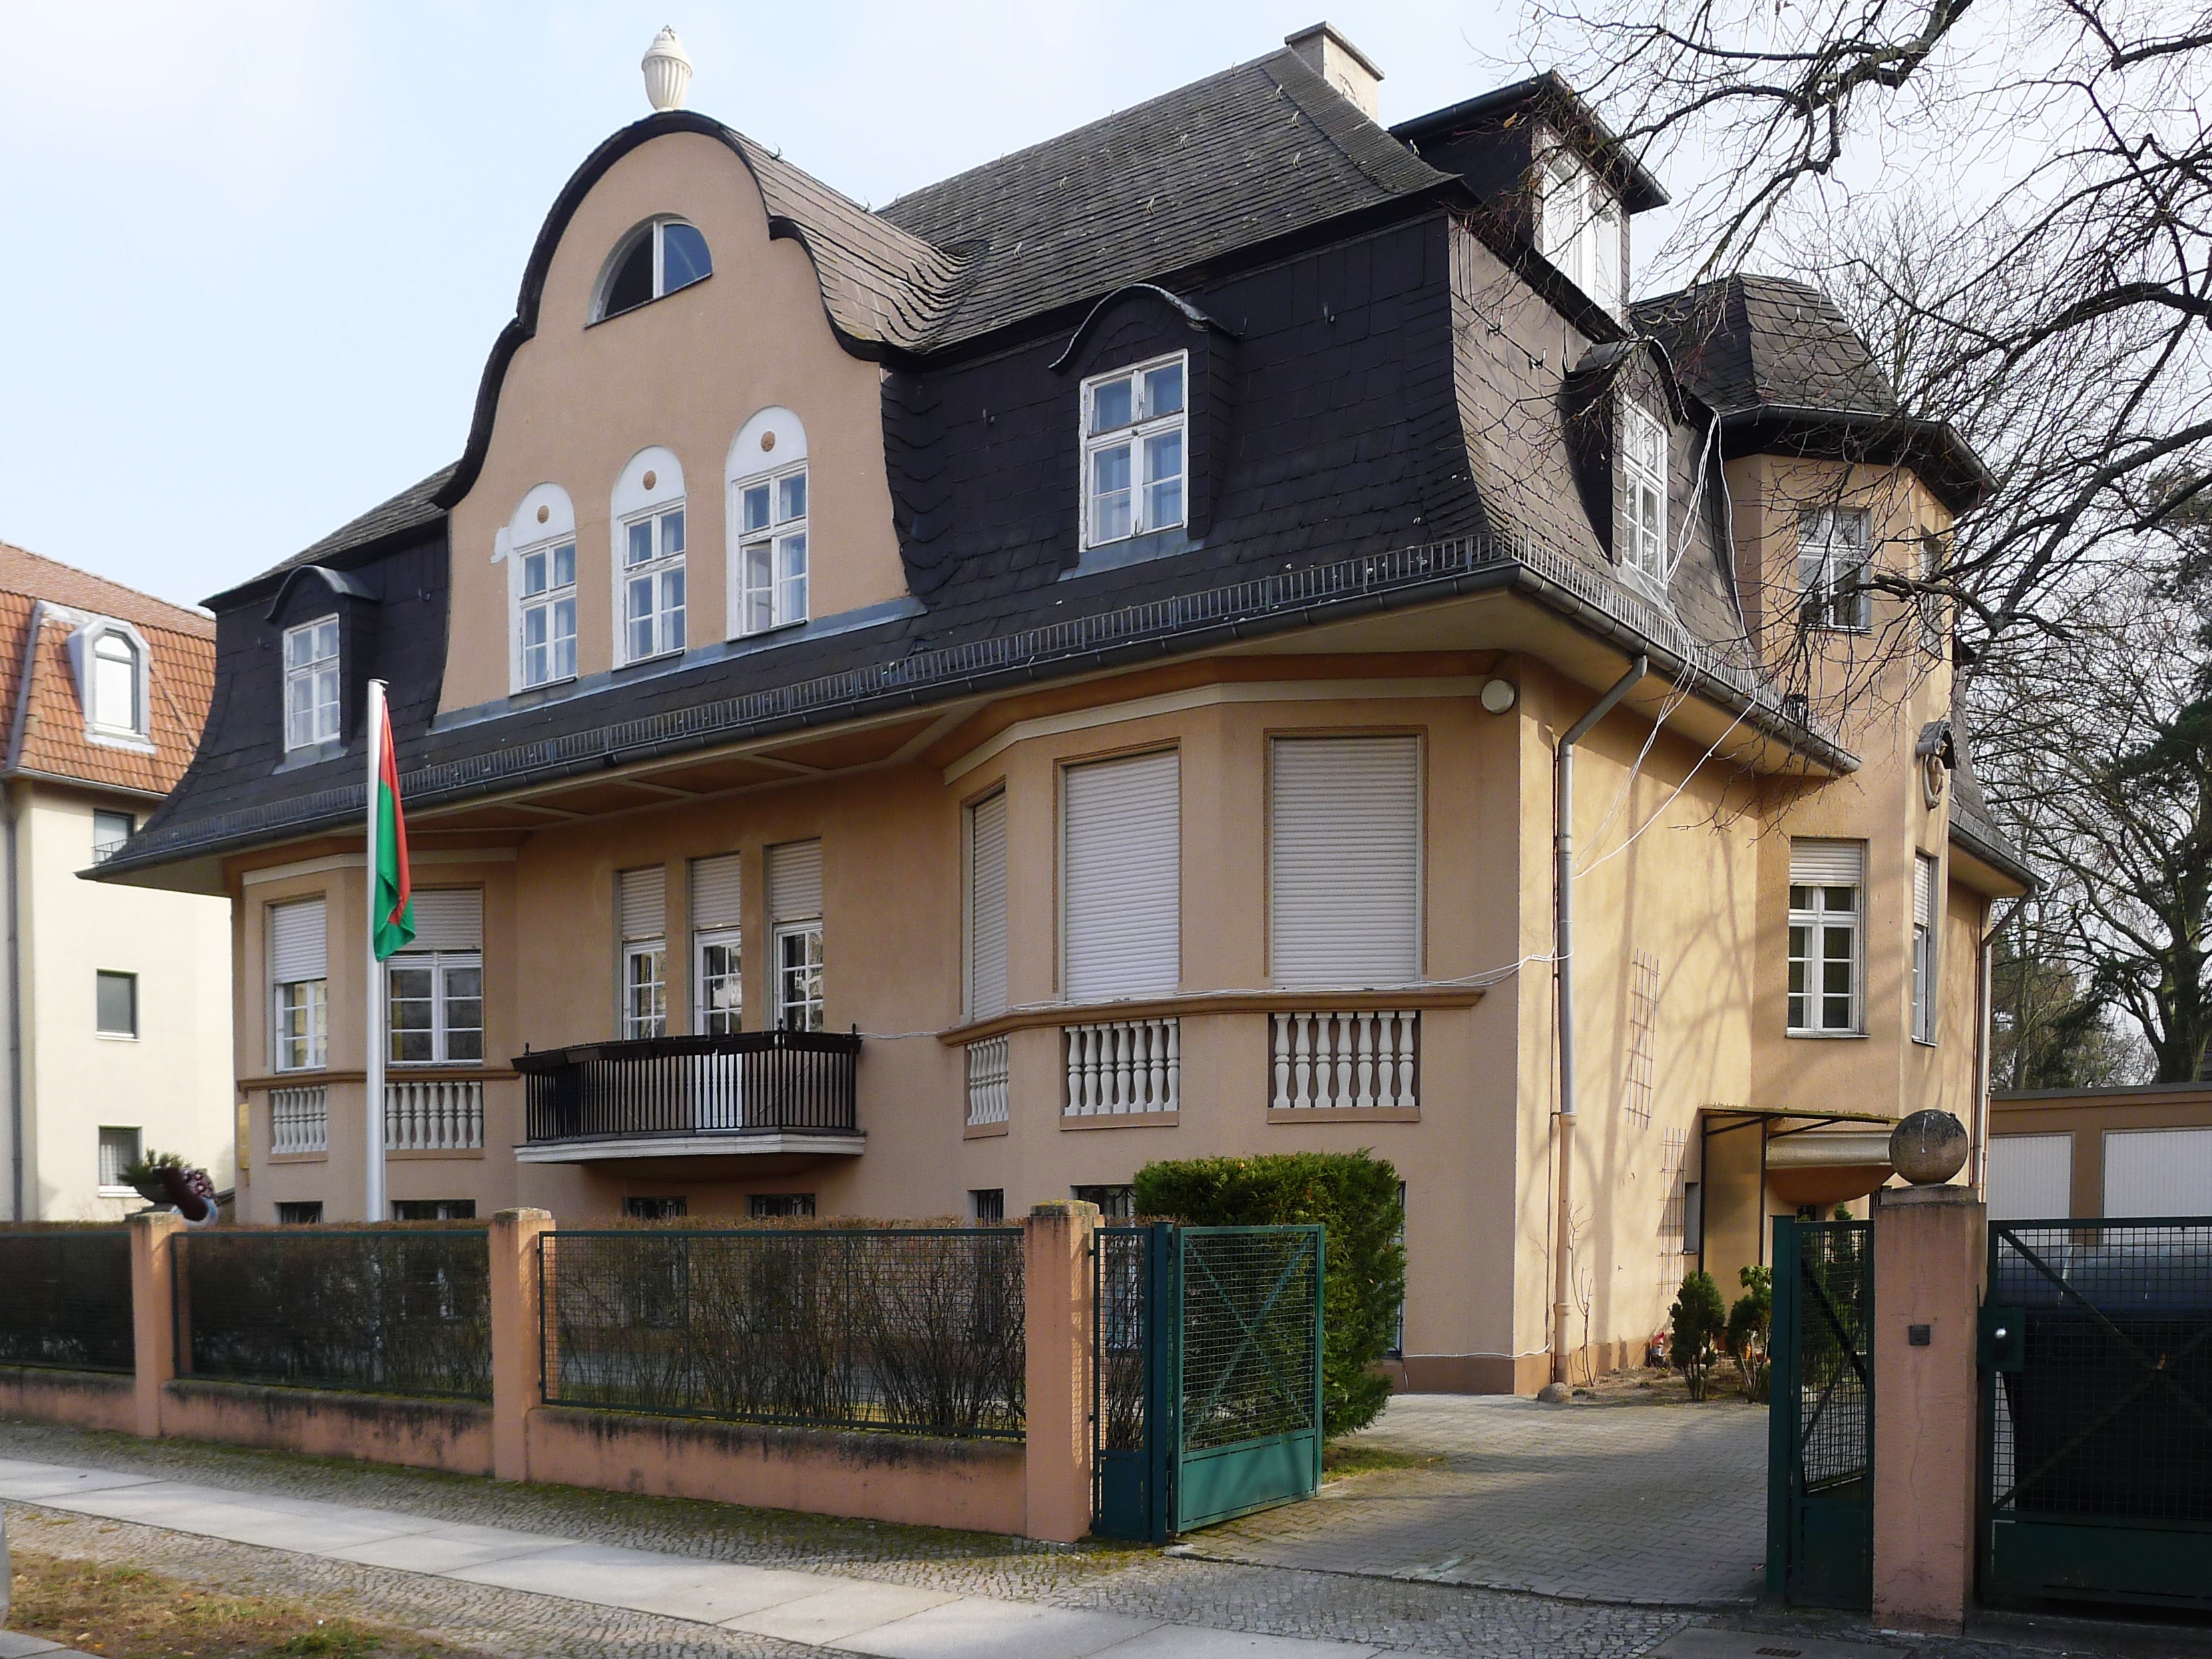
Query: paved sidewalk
x=1632, y=1504
x=811, y=1609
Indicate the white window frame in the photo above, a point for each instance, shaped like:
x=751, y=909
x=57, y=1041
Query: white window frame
x=773, y=589
x=100, y=974
x=1644, y=530
x=440, y=965
x=133, y=656
x=103, y=851
x=1819, y=923
x=1924, y=986
x=1580, y=226
x=1138, y=434
x=545, y=602
x=799, y=984
x=318, y=673
x=644, y=975
x=657, y=228
x=706, y=1019
x=1826, y=549
x=118, y=1187
x=668, y=621
x=308, y=1049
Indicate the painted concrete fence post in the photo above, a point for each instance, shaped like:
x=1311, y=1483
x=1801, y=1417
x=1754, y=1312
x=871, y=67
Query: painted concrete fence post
x=1930, y=1247
x=1057, y=1283
x=153, y=1311
x=517, y=1291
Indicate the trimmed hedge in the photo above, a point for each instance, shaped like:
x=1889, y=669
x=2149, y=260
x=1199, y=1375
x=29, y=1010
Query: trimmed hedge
x=1351, y=1194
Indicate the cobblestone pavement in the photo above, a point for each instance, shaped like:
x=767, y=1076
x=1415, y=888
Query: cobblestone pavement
x=1399, y=1614
x=1654, y=1505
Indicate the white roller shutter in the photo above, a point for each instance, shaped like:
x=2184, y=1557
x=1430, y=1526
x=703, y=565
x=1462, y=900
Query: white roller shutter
x=716, y=892
x=987, y=908
x=641, y=897
x=1924, y=890
x=2031, y=1177
x=2157, y=1172
x=449, y=919
x=299, y=942
x=1344, y=861
x=794, y=881
x=1121, y=891
x=1828, y=863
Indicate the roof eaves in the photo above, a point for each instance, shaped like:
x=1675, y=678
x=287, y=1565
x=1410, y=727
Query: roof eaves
x=1947, y=462
x=1641, y=190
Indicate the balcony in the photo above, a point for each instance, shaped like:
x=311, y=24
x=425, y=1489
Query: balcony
x=749, y=1094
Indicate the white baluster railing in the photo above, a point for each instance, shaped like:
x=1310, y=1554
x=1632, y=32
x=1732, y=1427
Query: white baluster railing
x=299, y=1120
x=433, y=1115
x=989, y=1065
x=1337, y=1062
x=1124, y=1066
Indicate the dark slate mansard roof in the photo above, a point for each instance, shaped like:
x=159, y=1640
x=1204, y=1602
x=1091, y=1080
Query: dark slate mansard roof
x=1243, y=163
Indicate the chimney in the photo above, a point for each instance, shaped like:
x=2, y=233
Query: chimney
x=1342, y=64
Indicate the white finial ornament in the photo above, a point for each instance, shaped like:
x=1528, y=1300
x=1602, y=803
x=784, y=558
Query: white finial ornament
x=667, y=70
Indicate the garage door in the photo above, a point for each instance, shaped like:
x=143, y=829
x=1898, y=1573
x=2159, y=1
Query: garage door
x=2161, y=1172
x=2031, y=1177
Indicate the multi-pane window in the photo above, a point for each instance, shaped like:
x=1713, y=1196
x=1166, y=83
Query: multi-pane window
x=1826, y=904
x=301, y=1213
x=1134, y=466
x=659, y=258
x=1924, y=871
x=794, y=902
x=109, y=832
x=1643, y=491
x=653, y=584
x=1834, y=547
x=779, y=1205
x=548, y=600
x=434, y=1209
x=1115, y=1203
x=119, y=1151
x=772, y=552
x=656, y=1209
x=298, y=976
x=436, y=1009
x=717, y=1004
x=115, y=1004
x=1581, y=227
x=641, y=903
x=311, y=684
x=986, y=1204
x=115, y=699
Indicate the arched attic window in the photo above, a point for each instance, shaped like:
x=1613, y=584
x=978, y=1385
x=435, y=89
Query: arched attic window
x=655, y=258
x=111, y=664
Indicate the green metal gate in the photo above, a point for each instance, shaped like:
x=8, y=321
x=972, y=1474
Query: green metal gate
x=2097, y=1412
x=1207, y=1397
x=1820, y=1509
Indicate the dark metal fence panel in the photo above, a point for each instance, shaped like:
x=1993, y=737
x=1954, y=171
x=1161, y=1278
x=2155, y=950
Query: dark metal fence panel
x=1820, y=1446
x=914, y=1330
x=380, y=1312
x=65, y=1299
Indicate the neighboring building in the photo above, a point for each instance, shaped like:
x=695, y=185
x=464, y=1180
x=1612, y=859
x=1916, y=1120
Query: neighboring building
x=925, y=711
x=117, y=1012
x=2144, y=1150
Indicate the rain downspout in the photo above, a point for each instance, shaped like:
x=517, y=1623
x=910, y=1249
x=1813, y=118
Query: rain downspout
x=1563, y=808
x=15, y=1017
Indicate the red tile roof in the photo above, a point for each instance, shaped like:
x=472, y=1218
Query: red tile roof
x=46, y=731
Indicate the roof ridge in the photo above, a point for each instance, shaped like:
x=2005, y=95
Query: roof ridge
x=195, y=619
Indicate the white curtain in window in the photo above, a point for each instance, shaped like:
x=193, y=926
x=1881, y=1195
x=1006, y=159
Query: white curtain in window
x=794, y=881
x=448, y=918
x=987, y=908
x=1344, y=861
x=1826, y=863
x=1121, y=893
x=716, y=892
x=642, y=898
x=299, y=942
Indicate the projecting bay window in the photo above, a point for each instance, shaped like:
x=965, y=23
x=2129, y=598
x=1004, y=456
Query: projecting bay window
x=1135, y=431
x=1835, y=550
x=1827, y=885
x=653, y=584
x=435, y=989
x=1642, y=541
x=718, y=997
x=642, y=911
x=794, y=904
x=311, y=684
x=1924, y=871
x=548, y=601
x=299, y=978
x=772, y=554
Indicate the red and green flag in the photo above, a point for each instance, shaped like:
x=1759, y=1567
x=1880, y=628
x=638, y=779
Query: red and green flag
x=395, y=889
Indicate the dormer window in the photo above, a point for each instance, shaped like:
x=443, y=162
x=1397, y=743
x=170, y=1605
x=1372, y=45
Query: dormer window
x=1134, y=466
x=117, y=673
x=1642, y=536
x=657, y=258
x=1580, y=219
x=311, y=684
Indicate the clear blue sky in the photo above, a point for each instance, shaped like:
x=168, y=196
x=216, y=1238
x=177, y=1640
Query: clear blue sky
x=253, y=253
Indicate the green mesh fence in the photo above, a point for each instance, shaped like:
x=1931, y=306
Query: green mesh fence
x=65, y=1299
x=1248, y=1332
x=1836, y=1273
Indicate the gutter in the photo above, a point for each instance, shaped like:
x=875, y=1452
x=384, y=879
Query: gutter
x=1563, y=811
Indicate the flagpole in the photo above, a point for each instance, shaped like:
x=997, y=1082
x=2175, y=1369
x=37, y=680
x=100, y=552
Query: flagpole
x=374, y=1024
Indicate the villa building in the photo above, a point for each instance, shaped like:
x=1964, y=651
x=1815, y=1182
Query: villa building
x=922, y=711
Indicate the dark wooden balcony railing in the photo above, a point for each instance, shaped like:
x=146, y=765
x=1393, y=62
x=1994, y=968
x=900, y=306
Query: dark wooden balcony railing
x=749, y=1084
